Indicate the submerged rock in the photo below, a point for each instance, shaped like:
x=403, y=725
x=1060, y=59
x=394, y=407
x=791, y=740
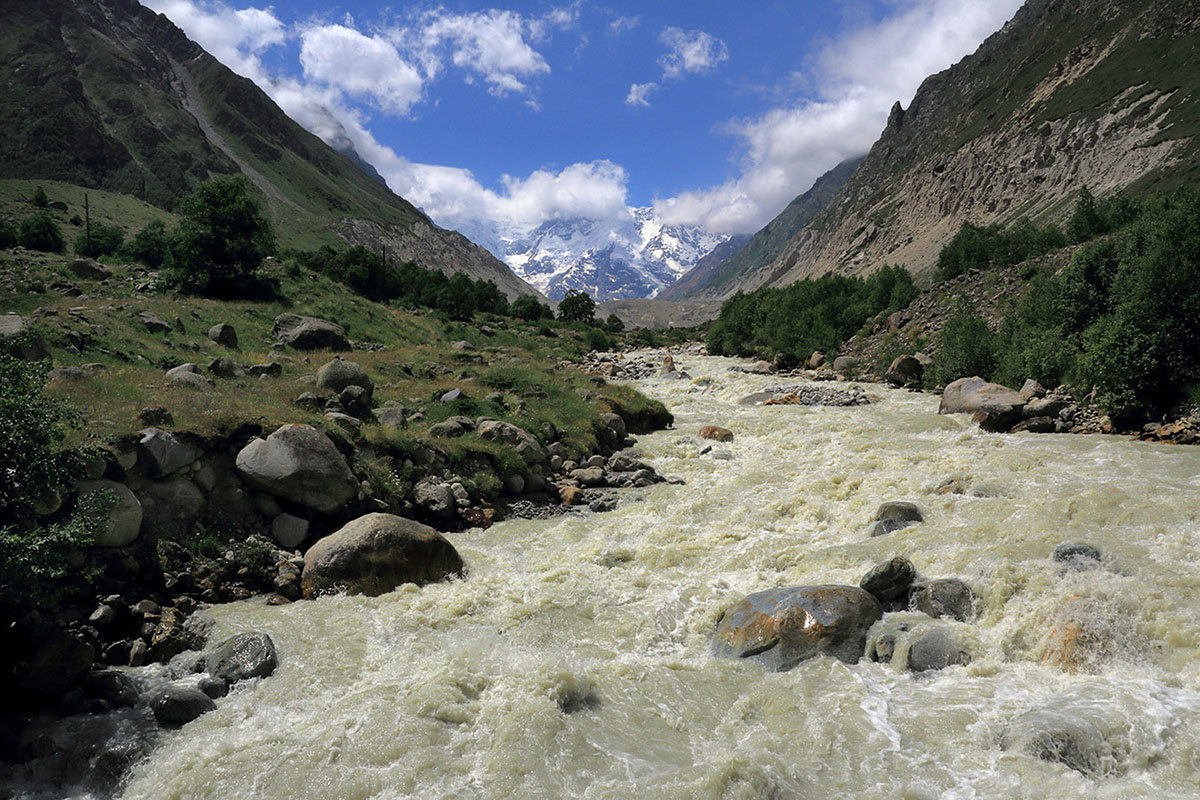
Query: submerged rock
x=780, y=628
x=246, y=655
x=716, y=434
x=1077, y=557
x=175, y=706
x=895, y=515
x=946, y=597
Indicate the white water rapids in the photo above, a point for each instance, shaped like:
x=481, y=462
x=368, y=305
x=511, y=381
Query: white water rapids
x=574, y=659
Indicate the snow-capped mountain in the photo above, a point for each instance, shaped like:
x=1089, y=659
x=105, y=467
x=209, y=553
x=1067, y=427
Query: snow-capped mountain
x=633, y=257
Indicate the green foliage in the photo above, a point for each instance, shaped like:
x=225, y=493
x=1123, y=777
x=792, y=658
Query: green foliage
x=39, y=199
x=808, y=315
x=975, y=246
x=40, y=232
x=105, y=240
x=37, y=562
x=8, y=234
x=1086, y=223
x=597, y=339
x=221, y=241
x=577, y=306
x=966, y=347
x=149, y=245
x=529, y=308
x=614, y=324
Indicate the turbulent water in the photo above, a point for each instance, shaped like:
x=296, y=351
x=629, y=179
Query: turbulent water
x=573, y=662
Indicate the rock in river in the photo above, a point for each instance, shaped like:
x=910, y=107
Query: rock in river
x=374, y=554
x=246, y=655
x=176, y=706
x=780, y=628
x=995, y=407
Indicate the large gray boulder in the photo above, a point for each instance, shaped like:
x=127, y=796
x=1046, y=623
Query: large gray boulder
x=904, y=371
x=49, y=662
x=224, y=334
x=245, y=655
x=161, y=452
x=124, y=518
x=527, y=447
x=339, y=373
x=310, y=333
x=20, y=340
x=890, y=579
x=374, y=554
x=780, y=628
x=299, y=463
x=994, y=407
x=435, y=498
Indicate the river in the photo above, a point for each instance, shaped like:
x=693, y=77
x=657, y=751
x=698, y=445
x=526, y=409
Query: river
x=574, y=660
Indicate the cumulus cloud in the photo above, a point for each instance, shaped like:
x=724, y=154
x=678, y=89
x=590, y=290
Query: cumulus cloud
x=858, y=77
x=361, y=66
x=690, y=51
x=623, y=25
x=236, y=37
x=639, y=94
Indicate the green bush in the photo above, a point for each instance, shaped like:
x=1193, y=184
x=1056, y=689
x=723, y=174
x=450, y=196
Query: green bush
x=597, y=339
x=149, y=245
x=975, y=246
x=577, y=306
x=966, y=347
x=40, y=232
x=104, y=241
x=529, y=308
x=614, y=324
x=39, y=199
x=221, y=241
x=8, y=234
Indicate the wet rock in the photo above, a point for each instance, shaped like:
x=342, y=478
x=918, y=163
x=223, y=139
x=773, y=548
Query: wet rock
x=299, y=463
x=213, y=687
x=48, y=661
x=289, y=531
x=571, y=495
x=615, y=424
x=124, y=517
x=904, y=371
x=243, y=656
x=339, y=373
x=113, y=687
x=994, y=407
x=589, y=476
x=936, y=649
x=716, y=434
x=890, y=579
x=895, y=515
x=224, y=334
x=946, y=597
x=780, y=628
x=18, y=338
x=1036, y=425
x=177, y=633
x=226, y=368
x=310, y=333
x=526, y=445
x=374, y=554
x=668, y=364
x=626, y=461
x=1077, y=557
x=1087, y=736
x=1047, y=407
x=153, y=322
x=162, y=452
x=175, y=706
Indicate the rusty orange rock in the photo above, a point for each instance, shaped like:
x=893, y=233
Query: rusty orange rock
x=716, y=434
x=570, y=495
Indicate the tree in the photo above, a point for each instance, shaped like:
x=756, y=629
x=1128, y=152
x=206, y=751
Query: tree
x=1086, y=222
x=39, y=199
x=966, y=347
x=577, y=306
x=529, y=308
x=614, y=324
x=40, y=232
x=221, y=241
x=105, y=240
x=149, y=245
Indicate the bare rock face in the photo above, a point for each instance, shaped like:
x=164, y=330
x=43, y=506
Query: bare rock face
x=374, y=554
x=780, y=628
x=310, y=333
x=299, y=463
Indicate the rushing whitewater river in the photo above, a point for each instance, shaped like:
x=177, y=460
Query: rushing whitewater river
x=574, y=660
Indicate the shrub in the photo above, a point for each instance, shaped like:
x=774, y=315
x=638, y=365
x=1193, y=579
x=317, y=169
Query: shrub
x=529, y=308
x=975, y=246
x=577, y=306
x=39, y=199
x=8, y=234
x=966, y=347
x=40, y=232
x=614, y=324
x=149, y=245
x=1086, y=221
x=221, y=241
x=597, y=339
x=104, y=241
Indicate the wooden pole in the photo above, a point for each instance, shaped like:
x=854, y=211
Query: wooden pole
x=87, y=216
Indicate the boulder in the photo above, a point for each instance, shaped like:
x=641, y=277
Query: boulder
x=112, y=686
x=435, y=498
x=716, y=434
x=20, y=340
x=299, y=463
x=451, y=396
x=224, y=334
x=570, y=495
x=1046, y=407
x=289, y=531
x=310, y=333
x=89, y=269
x=589, y=476
x=346, y=422
x=453, y=427
x=1077, y=557
x=161, y=452
x=904, y=371
x=615, y=424
x=175, y=706
x=890, y=579
x=816, y=360
x=936, y=649
x=895, y=515
x=994, y=407
x=946, y=597
x=668, y=364
x=272, y=369
x=844, y=364
x=339, y=373
x=155, y=416
x=1090, y=734
x=391, y=416
x=190, y=380
x=374, y=554
x=528, y=447
x=1032, y=425
x=226, y=368
x=124, y=518
x=170, y=507
x=780, y=628
x=244, y=656
x=49, y=663
x=153, y=322
x=1032, y=389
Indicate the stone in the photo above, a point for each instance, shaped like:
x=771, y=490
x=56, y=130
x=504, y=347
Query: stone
x=153, y=322
x=224, y=334
x=895, y=515
x=626, y=461
x=716, y=434
x=155, y=416
x=528, y=447
x=18, y=338
x=780, y=628
x=289, y=531
x=241, y=657
x=176, y=706
x=391, y=416
x=112, y=686
x=570, y=495
x=1036, y=425
x=436, y=499
x=1046, y=407
x=463, y=346
x=1077, y=557
x=183, y=368
x=124, y=517
x=346, y=422
x=213, y=687
x=904, y=371
x=161, y=452
x=51, y=662
x=816, y=360
x=1083, y=733
x=994, y=406
x=170, y=507
x=1032, y=389
x=668, y=364
x=272, y=369
x=299, y=463
x=844, y=364
x=452, y=427
x=310, y=333
x=308, y=401
x=936, y=649
x=374, y=554
x=451, y=396
x=226, y=368
x=946, y=597
x=191, y=381
x=514, y=483
x=89, y=269
x=890, y=579
x=615, y=423
x=588, y=476
x=339, y=373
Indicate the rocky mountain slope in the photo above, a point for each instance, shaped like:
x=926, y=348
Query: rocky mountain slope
x=107, y=94
x=634, y=257
x=1101, y=93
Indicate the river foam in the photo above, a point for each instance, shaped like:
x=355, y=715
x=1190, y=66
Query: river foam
x=573, y=661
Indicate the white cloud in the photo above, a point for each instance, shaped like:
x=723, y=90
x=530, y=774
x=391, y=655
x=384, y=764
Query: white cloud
x=623, y=25
x=236, y=37
x=690, y=51
x=859, y=78
x=639, y=94
x=361, y=66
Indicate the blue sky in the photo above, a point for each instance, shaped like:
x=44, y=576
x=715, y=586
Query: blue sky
x=717, y=114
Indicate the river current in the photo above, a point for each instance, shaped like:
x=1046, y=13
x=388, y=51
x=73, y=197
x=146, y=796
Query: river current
x=574, y=660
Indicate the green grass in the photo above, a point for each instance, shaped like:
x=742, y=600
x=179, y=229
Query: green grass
x=126, y=212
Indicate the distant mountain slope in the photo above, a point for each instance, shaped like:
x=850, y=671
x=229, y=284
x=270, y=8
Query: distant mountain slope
x=108, y=94
x=713, y=276
x=1103, y=93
